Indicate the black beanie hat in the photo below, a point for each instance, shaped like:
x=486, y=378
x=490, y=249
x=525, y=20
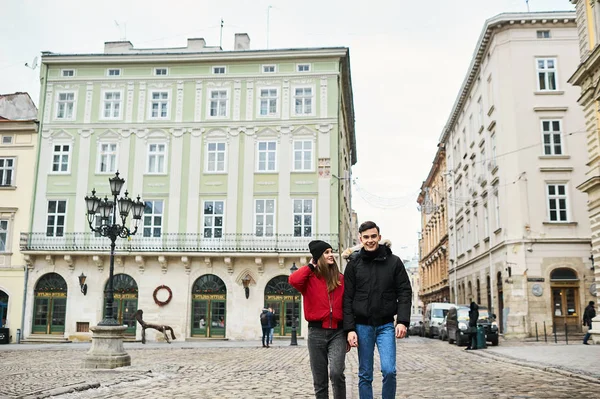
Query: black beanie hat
x=317, y=247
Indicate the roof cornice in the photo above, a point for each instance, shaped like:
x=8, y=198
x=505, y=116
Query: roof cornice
x=491, y=25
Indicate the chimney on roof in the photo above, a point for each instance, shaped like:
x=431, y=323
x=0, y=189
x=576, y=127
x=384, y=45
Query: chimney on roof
x=117, y=47
x=242, y=41
x=196, y=44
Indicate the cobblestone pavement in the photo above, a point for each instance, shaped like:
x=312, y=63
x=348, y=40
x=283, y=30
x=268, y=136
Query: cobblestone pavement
x=426, y=369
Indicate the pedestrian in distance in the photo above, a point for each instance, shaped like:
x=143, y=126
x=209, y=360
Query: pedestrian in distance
x=266, y=326
x=322, y=285
x=273, y=323
x=473, y=317
x=377, y=288
x=588, y=315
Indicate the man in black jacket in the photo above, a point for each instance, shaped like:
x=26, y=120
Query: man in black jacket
x=588, y=315
x=377, y=288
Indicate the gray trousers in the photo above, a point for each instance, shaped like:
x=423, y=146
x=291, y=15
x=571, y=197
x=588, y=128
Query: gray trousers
x=327, y=348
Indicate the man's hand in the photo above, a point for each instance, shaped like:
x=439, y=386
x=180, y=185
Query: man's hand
x=352, y=339
x=400, y=331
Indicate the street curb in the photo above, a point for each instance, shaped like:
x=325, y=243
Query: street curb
x=523, y=363
x=61, y=391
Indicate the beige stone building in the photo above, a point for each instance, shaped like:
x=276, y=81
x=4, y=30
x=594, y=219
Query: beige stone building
x=433, y=262
x=18, y=138
x=515, y=139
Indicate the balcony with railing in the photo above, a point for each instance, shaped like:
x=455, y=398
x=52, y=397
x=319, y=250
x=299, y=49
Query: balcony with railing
x=173, y=242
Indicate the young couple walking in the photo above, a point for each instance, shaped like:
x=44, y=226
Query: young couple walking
x=355, y=309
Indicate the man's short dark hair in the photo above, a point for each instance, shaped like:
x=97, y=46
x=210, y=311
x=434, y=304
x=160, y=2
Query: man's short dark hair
x=368, y=226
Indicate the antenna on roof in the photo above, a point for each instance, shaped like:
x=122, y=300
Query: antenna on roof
x=221, y=35
x=122, y=31
x=34, y=64
x=268, y=19
x=527, y=2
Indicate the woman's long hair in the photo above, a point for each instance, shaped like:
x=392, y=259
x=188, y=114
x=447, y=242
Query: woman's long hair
x=331, y=273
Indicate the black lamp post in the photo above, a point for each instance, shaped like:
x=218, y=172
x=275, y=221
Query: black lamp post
x=294, y=341
x=107, y=210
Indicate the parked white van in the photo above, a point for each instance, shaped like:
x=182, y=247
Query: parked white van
x=433, y=318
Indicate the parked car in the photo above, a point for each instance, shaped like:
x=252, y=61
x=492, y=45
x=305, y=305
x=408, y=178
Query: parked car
x=434, y=316
x=457, y=325
x=415, y=328
x=444, y=329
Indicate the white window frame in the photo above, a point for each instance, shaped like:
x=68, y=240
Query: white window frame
x=268, y=66
x=265, y=214
x=302, y=214
x=64, y=73
x=61, y=153
x=216, y=151
x=4, y=233
x=160, y=101
x=301, y=152
x=7, y=139
x=212, y=217
x=152, y=215
x=109, y=153
x=216, y=70
x=210, y=100
x=552, y=133
x=304, y=98
x=56, y=215
x=117, y=70
x=4, y=169
x=546, y=71
x=73, y=102
x=541, y=34
x=268, y=99
x=302, y=66
x=112, y=102
x=267, y=151
x=156, y=69
x=557, y=197
x=164, y=154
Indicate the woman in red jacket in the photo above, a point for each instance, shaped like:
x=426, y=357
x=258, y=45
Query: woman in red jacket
x=322, y=286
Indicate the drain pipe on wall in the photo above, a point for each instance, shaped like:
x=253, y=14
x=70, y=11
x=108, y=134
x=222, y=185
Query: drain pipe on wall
x=20, y=332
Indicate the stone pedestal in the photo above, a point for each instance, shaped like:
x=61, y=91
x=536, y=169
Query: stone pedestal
x=595, y=331
x=107, y=350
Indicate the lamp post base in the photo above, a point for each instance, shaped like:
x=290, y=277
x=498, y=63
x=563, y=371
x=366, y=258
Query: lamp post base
x=107, y=350
x=294, y=341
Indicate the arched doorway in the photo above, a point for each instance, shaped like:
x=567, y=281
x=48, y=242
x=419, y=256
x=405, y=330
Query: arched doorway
x=282, y=297
x=50, y=305
x=209, y=296
x=125, y=301
x=500, y=309
x=3, y=308
x=565, y=300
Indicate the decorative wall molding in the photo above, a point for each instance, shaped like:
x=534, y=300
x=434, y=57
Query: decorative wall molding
x=323, y=111
x=198, y=102
x=229, y=263
x=141, y=102
x=89, y=92
x=237, y=99
x=50, y=260
x=208, y=262
x=69, y=261
x=99, y=262
x=129, y=104
x=249, y=100
x=164, y=264
x=179, y=102
x=185, y=261
x=139, y=261
x=259, y=265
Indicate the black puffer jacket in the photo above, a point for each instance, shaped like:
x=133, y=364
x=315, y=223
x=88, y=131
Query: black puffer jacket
x=376, y=288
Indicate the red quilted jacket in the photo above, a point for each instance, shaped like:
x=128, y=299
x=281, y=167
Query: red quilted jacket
x=319, y=305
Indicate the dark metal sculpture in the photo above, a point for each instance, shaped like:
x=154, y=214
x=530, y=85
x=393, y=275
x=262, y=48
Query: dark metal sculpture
x=163, y=329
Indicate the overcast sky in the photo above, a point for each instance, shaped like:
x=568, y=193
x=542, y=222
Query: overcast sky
x=408, y=60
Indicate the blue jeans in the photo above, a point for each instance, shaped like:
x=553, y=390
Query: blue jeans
x=385, y=338
x=271, y=335
x=587, y=334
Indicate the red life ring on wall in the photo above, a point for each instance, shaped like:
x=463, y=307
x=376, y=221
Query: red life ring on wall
x=157, y=301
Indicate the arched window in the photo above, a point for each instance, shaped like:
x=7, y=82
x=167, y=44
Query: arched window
x=563, y=274
x=51, y=282
x=209, y=284
x=279, y=286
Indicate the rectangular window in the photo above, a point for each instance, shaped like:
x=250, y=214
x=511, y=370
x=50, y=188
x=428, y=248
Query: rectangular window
x=303, y=67
x=3, y=235
x=160, y=71
x=159, y=105
x=267, y=156
x=303, y=217
x=486, y=220
x=471, y=129
x=153, y=218
x=7, y=171
x=215, y=157
x=113, y=72
x=490, y=92
x=65, y=105
x=303, y=155
x=475, y=229
x=480, y=112
x=496, y=208
x=268, y=68
x=219, y=70
x=552, y=137
x=546, y=72
x=468, y=241
x=303, y=100
x=7, y=139
x=107, y=157
x=68, y=73
x=268, y=102
x=213, y=219
x=543, y=34
x=57, y=213
x=61, y=157
x=264, y=216
x=157, y=154
x=557, y=202
x=112, y=105
x=218, y=103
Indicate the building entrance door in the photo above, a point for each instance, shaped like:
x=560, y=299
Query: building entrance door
x=565, y=300
x=50, y=305
x=209, y=296
x=285, y=301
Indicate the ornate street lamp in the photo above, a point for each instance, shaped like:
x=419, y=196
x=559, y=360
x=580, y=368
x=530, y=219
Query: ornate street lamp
x=109, y=227
x=294, y=341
